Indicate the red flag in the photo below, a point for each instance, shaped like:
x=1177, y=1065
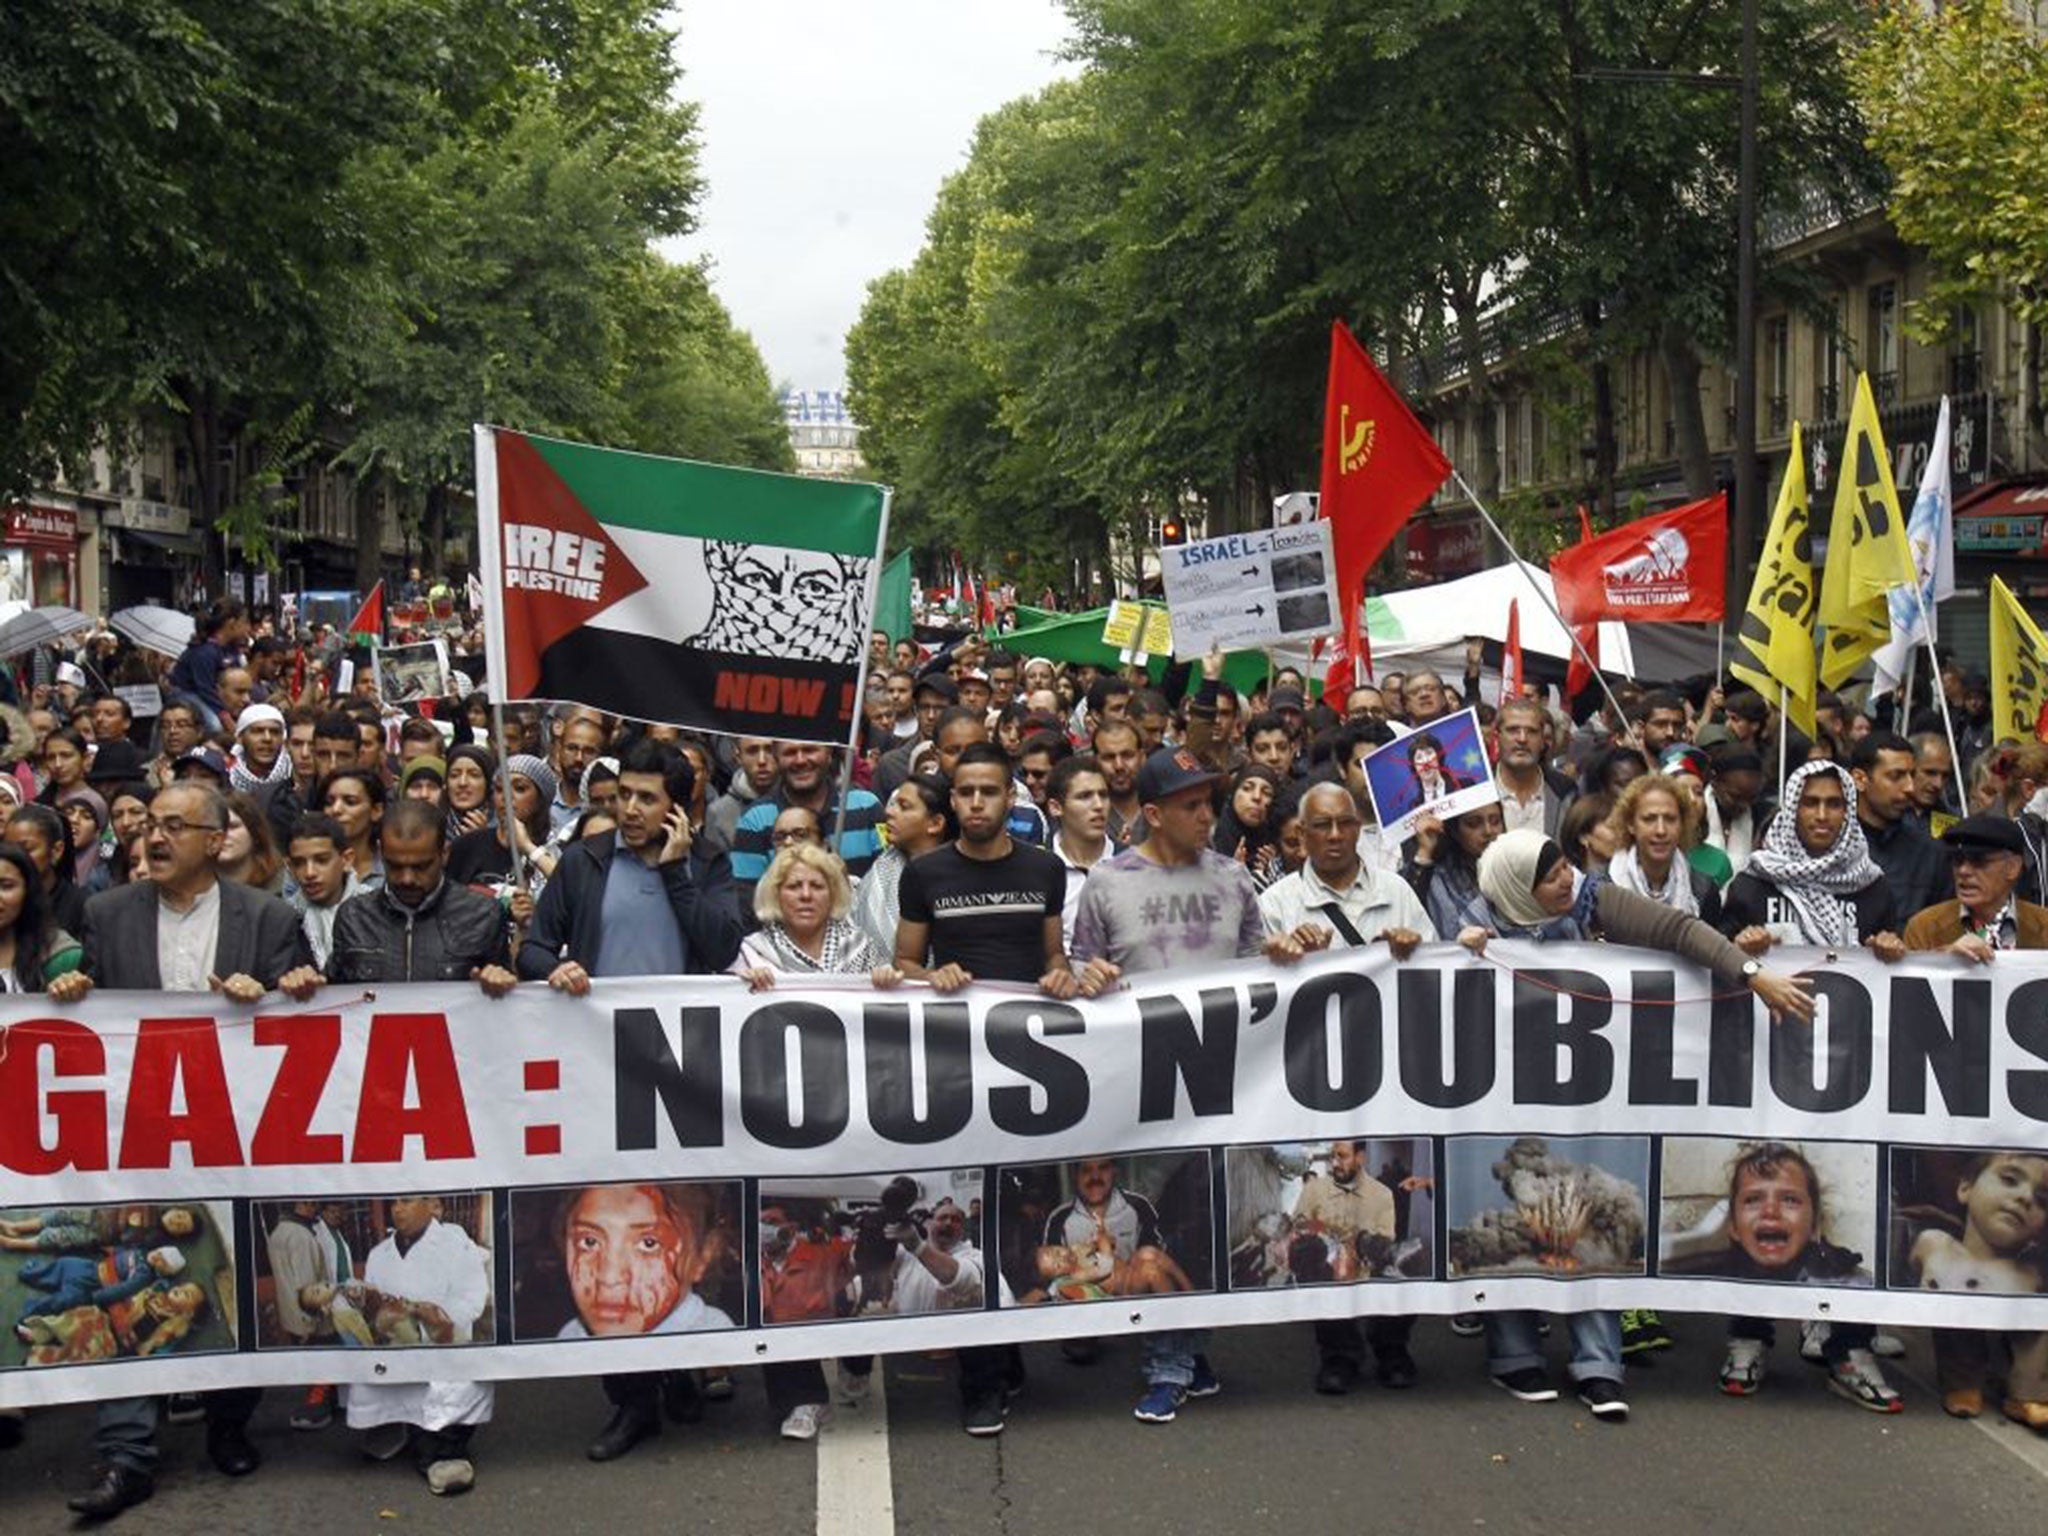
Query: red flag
x=1578, y=676
x=1512, y=678
x=1340, y=677
x=1669, y=567
x=1379, y=465
x=367, y=627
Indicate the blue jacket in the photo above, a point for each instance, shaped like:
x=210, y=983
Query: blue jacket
x=568, y=918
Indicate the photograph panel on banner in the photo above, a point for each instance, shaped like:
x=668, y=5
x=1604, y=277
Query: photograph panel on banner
x=622, y=1260
x=1103, y=1227
x=879, y=1245
x=386, y=1272
x=1331, y=1212
x=80, y=1284
x=1440, y=769
x=1969, y=1220
x=1547, y=1205
x=1793, y=1212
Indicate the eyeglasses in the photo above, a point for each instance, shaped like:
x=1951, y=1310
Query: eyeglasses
x=783, y=837
x=178, y=826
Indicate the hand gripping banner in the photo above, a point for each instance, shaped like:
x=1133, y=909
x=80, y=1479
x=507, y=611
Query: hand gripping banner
x=424, y=1184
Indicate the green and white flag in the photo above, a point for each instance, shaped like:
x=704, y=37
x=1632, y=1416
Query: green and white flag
x=694, y=595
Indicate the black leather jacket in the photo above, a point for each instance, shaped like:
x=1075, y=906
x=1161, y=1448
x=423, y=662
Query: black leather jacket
x=453, y=932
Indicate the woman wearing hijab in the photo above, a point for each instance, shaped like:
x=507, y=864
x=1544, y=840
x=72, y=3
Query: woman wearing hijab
x=85, y=817
x=1248, y=826
x=1813, y=880
x=1527, y=890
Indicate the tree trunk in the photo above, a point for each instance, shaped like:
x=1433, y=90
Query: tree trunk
x=203, y=436
x=1688, y=415
x=434, y=532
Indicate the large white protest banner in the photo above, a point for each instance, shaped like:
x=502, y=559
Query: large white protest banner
x=199, y=1195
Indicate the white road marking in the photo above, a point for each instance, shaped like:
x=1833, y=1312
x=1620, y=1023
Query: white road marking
x=854, y=1493
x=2029, y=1446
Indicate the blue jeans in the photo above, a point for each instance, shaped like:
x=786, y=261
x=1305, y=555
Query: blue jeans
x=1512, y=1344
x=1169, y=1356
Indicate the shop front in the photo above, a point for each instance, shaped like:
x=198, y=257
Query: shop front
x=39, y=555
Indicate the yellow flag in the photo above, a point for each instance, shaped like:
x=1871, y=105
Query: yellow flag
x=1867, y=550
x=2019, y=668
x=1774, y=646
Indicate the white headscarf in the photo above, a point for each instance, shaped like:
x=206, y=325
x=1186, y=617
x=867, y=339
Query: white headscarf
x=1811, y=882
x=1508, y=871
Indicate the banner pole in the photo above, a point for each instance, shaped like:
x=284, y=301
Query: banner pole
x=1948, y=725
x=1521, y=565
x=1784, y=734
x=505, y=789
x=860, y=672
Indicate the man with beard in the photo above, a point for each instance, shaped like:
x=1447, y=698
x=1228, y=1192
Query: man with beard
x=807, y=780
x=1530, y=794
x=1347, y=1205
x=636, y=904
x=985, y=907
x=1934, y=780
x=1115, y=749
x=1883, y=767
x=1171, y=902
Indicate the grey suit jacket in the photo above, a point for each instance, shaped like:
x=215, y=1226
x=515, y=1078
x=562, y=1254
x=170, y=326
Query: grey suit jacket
x=260, y=936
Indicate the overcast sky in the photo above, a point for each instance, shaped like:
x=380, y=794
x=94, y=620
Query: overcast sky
x=826, y=131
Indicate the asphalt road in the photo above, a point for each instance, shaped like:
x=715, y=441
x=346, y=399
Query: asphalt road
x=1453, y=1455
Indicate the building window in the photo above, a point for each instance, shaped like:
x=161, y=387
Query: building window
x=1778, y=356
x=1882, y=339
x=1827, y=389
x=1966, y=353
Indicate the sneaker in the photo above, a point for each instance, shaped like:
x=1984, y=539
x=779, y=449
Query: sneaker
x=1161, y=1403
x=1742, y=1372
x=386, y=1442
x=1857, y=1377
x=717, y=1386
x=1206, y=1383
x=1604, y=1399
x=805, y=1420
x=1643, y=1331
x=316, y=1411
x=1468, y=1325
x=455, y=1475
x=985, y=1415
x=1531, y=1384
x=183, y=1408
x=1889, y=1345
x=853, y=1386
x=1813, y=1342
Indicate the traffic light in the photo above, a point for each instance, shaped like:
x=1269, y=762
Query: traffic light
x=1172, y=531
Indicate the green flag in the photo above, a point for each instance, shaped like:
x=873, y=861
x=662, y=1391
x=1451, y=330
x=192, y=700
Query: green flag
x=892, y=599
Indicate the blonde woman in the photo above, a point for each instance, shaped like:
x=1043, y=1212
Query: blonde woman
x=1655, y=821
x=802, y=904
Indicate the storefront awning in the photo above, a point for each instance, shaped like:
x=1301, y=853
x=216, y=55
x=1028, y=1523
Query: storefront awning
x=173, y=543
x=2006, y=517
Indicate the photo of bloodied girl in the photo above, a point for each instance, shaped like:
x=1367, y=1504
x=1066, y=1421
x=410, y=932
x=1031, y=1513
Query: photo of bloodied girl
x=1335, y=1212
x=1799, y=1213
x=1105, y=1227
x=112, y=1282
x=1965, y=1220
x=620, y=1260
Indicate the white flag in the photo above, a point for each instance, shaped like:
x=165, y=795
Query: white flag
x=1930, y=532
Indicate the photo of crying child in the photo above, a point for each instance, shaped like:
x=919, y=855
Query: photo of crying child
x=1801, y=1213
x=1969, y=1220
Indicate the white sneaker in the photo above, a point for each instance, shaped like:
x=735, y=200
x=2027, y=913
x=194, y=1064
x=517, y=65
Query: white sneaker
x=1889, y=1345
x=455, y=1475
x=1813, y=1338
x=853, y=1386
x=1856, y=1376
x=805, y=1419
x=1743, y=1371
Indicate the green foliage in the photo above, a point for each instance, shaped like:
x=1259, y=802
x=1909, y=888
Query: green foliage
x=1957, y=102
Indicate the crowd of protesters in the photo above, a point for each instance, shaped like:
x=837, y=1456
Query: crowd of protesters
x=1005, y=818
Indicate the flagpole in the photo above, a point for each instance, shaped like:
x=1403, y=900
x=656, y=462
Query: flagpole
x=1955, y=758
x=1784, y=734
x=1521, y=565
x=510, y=820
x=860, y=673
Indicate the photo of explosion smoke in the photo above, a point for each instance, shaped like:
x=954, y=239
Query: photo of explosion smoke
x=1331, y=1213
x=1573, y=1205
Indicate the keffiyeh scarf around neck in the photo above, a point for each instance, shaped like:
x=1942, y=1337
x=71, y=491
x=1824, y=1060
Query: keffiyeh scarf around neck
x=846, y=950
x=1812, y=882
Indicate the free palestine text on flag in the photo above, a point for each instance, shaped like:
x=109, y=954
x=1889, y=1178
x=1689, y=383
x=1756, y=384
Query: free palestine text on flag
x=694, y=595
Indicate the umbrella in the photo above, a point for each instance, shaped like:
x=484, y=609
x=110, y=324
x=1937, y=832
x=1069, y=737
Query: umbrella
x=40, y=626
x=163, y=630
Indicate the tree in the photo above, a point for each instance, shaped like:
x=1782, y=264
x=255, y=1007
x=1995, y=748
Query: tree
x=1957, y=102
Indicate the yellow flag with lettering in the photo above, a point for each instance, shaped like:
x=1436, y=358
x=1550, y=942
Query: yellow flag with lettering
x=1774, y=644
x=2019, y=668
x=1867, y=550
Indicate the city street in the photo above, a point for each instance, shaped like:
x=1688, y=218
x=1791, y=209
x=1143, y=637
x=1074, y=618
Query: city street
x=1268, y=1455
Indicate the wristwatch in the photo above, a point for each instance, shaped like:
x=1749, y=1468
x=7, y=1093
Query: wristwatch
x=1751, y=969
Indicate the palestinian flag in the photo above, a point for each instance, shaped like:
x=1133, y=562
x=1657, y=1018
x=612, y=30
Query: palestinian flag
x=693, y=595
x=367, y=627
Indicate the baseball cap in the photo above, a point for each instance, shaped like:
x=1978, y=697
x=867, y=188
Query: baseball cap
x=1286, y=698
x=940, y=685
x=208, y=758
x=1171, y=770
